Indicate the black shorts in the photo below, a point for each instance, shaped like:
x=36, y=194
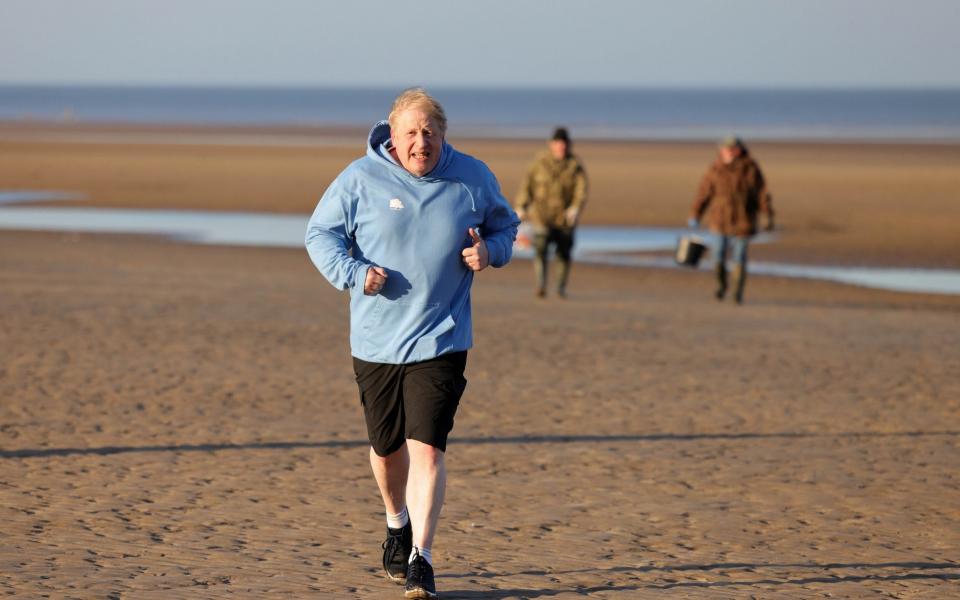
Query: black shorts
x=415, y=401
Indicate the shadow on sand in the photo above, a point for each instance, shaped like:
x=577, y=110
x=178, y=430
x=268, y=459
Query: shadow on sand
x=466, y=441
x=906, y=571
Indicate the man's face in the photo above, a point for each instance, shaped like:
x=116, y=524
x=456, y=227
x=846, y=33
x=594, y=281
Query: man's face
x=558, y=149
x=729, y=153
x=417, y=141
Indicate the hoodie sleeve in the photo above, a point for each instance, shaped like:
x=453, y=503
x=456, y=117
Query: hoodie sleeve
x=329, y=238
x=500, y=223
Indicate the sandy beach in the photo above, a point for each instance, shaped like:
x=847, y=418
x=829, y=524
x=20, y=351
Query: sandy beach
x=181, y=421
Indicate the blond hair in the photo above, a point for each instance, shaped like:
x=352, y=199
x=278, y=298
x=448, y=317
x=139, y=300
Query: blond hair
x=418, y=97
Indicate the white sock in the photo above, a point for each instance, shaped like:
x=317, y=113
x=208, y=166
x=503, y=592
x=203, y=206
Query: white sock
x=399, y=520
x=424, y=552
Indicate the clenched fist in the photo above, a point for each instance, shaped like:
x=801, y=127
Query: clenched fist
x=376, y=279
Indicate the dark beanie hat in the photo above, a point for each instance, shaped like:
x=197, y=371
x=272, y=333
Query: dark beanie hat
x=560, y=133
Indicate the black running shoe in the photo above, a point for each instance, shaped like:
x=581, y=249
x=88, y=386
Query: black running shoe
x=396, y=552
x=420, y=579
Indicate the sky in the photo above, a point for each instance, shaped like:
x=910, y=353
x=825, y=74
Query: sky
x=509, y=43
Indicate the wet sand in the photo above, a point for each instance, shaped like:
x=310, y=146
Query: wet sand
x=862, y=204
x=181, y=421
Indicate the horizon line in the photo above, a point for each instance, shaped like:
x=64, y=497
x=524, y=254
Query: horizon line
x=490, y=86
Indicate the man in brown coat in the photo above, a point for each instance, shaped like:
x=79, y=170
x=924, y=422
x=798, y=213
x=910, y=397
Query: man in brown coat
x=551, y=198
x=731, y=194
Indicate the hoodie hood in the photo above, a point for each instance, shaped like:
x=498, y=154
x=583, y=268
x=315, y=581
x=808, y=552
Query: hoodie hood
x=378, y=149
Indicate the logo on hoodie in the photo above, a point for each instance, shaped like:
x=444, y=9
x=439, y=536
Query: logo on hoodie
x=396, y=204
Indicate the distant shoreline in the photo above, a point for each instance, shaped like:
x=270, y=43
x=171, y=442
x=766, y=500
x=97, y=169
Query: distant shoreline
x=66, y=131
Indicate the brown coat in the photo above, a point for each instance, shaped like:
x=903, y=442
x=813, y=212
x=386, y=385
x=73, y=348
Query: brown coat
x=550, y=188
x=731, y=195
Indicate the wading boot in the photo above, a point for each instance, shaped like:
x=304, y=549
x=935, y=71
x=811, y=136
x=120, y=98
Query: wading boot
x=739, y=282
x=721, y=271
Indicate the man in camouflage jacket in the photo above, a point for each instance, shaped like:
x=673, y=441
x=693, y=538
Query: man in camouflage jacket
x=551, y=199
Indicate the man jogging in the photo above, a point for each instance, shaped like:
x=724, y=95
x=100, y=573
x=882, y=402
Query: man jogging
x=404, y=229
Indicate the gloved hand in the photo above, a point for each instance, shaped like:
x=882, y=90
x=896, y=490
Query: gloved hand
x=693, y=223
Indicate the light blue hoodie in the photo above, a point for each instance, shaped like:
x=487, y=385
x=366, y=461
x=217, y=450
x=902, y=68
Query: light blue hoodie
x=378, y=213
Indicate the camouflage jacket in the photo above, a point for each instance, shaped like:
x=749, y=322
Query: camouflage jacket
x=731, y=195
x=551, y=187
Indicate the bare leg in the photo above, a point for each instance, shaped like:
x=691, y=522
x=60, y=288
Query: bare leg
x=390, y=472
x=425, y=490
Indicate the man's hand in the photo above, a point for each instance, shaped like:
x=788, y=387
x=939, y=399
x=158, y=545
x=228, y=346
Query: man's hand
x=571, y=215
x=769, y=225
x=476, y=257
x=376, y=279
x=521, y=213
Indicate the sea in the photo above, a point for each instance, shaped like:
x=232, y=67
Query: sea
x=923, y=115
